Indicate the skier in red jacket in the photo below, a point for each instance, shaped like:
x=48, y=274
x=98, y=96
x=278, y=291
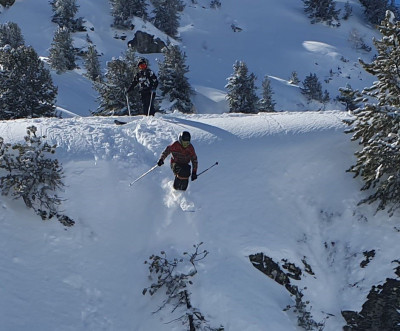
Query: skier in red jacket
x=182, y=153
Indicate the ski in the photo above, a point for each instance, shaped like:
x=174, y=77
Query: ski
x=119, y=122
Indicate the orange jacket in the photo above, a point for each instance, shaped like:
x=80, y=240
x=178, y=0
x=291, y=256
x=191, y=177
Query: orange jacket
x=181, y=155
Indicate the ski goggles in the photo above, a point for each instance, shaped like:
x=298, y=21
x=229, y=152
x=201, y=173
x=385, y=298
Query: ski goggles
x=142, y=65
x=185, y=143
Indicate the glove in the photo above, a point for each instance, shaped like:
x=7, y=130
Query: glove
x=194, y=176
x=160, y=162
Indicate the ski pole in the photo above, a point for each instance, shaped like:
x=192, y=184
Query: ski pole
x=140, y=177
x=216, y=163
x=127, y=102
x=151, y=100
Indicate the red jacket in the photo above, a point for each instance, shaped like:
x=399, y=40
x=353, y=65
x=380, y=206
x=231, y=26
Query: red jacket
x=181, y=155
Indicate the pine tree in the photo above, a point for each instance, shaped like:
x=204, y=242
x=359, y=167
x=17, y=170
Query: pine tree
x=294, y=78
x=28, y=171
x=266, y=103
x=215, y=4
x=312, y=89
x=349, y=97
x=92, y=64
x=10, y=34
x=64, y=12
x=393, y=6
x=118, y=78
x=124, y=10
x=375, y=10
x=322, y=11
x=357, y=41
x=241, y=88
x=7, y=3
x=173, y=278
x=62, y=53
x=166, y=16
x=347, y=10
x=26, y=87
x=325, y=98
x=173, y=82
x=377, y=125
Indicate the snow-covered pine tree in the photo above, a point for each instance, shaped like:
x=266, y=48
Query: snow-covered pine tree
x=241, y=88
x=112, y=90
x=357, y=41
x=266, y=103
x=215, y=4
x=124, y=10
x=7, y=3
x=135, y=101
x=322, y=11
x=166, y=16
x=325, y=98
x=294, y=78
x=376, y=126
x=312, y=89
x=348, y=9
x=394, y=7
x=64, y=12
x=375, y=10
x=173, y=277
x=62, y=53
x=139, y=9
x=349, y=97
x=28, y=171
x=10, y=34
x=92, y=64
x=173, y=82
x=26, y=87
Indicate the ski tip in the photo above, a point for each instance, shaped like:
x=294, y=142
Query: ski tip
x=119, y=122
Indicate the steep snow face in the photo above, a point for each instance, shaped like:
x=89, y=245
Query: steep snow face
x=279, y=188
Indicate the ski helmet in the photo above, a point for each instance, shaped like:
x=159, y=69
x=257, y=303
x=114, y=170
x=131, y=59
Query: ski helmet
x=142, y=60
x=184, y=138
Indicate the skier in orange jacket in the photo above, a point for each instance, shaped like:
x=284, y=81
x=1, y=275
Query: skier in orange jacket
x=182, y=153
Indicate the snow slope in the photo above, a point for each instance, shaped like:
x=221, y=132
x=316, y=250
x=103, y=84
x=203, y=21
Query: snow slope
x=276, y=39
x=280, y=187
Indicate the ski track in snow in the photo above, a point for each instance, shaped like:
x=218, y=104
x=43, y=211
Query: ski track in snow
x=174, y=198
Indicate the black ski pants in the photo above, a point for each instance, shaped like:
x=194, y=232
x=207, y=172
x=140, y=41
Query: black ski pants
x=181, y=170
x=146, y=99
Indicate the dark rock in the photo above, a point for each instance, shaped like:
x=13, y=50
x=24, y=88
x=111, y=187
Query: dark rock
x=380, y=312
x=307, y=267
x=369, y=255
x=293, y=271
x=145, y=43
x=270, y=268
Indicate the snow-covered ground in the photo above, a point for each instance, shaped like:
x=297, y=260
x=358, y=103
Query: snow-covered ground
x=279, y=188
x=276, y=39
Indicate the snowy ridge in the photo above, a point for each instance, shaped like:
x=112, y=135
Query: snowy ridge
x=99, y=137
